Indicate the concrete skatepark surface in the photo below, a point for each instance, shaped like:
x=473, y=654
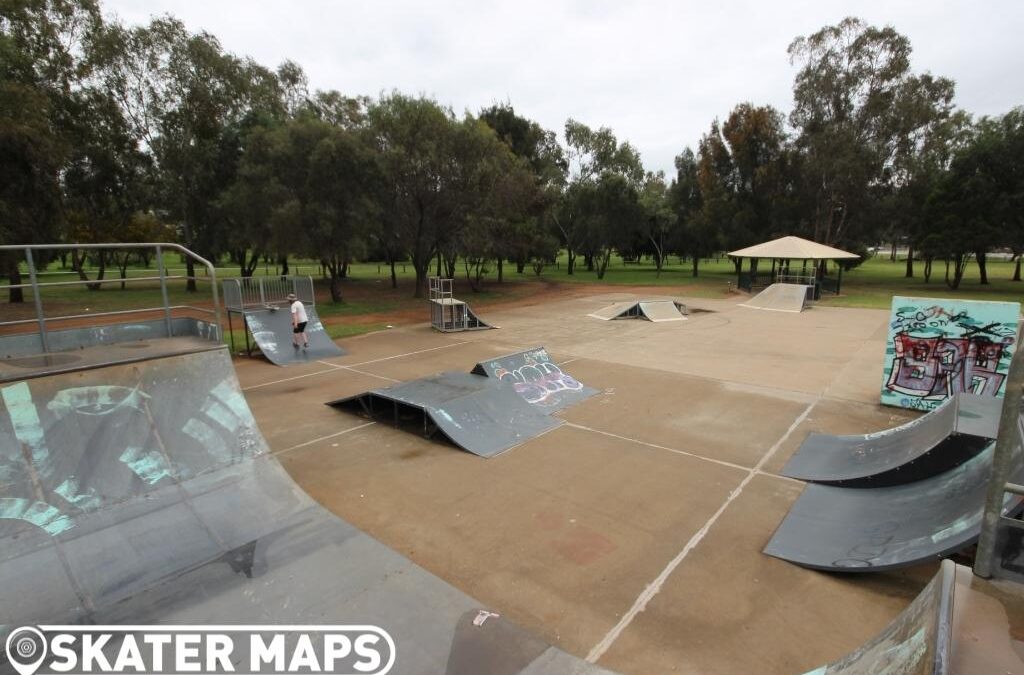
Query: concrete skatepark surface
x=631, y=536
x=144, y=493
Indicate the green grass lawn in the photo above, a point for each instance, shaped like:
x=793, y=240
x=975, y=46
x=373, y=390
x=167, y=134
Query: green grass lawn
x=368, y=291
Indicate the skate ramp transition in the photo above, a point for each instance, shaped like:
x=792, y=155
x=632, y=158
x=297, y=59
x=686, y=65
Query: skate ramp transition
x=652, y=310
x=780, y=298
x=917, y=642
x=848, y=529
x=116, y=509
x=502, y=403
x=958, y=625
x=272, y=331
x=937, y=441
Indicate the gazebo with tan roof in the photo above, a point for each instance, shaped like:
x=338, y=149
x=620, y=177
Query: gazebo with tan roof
x=786, y=249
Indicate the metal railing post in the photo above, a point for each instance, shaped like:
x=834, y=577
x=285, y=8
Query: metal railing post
x=38, y=300
x=1008, y=447
x=163, y=289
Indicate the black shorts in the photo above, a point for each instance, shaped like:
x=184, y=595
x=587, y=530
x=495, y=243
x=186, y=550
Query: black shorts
x=300, y=328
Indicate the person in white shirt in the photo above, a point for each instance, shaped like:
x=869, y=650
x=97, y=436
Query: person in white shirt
x=299, y=320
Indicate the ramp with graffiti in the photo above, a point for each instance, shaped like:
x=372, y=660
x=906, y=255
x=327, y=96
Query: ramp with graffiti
x=937, y=441
x=144, y=493
x=937, y=348
x=537, y=379
x=475, y=413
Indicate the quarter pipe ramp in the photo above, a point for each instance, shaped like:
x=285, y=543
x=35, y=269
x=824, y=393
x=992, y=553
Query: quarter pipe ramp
x=780, y=298
x=854, y=530
x=929, y=445
x=144, y=493
x=272, y=331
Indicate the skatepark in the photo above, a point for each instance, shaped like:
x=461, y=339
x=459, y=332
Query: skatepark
x=627, y=533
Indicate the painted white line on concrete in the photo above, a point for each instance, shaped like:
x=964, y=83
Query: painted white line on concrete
x=322, y=438
x=654, y=587
x=335, y=367
x=721, y=462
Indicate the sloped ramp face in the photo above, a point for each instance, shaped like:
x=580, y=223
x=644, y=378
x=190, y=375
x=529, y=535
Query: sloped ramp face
x=476, y=414
x=536, y=379
x=272, y=331
x=930, y=445
x=850, y=530
x=663, y=310
x=144, y=494
x=917, y=642
x=779, y=298
x=620, y=310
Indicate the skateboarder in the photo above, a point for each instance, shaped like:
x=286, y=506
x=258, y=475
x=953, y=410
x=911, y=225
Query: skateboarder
x=299, y=320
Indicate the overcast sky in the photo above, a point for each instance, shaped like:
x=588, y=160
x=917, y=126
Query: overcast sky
x=657, y=73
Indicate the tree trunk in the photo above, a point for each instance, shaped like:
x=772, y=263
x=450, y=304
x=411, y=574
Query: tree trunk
x=602, y=264
x=283, y=261
x=910, y=262
x=500, y=268
x=15, y=295
x=190, y=272
x=1016, y=270
x=394, y=277
x=892, y=256
x=588, y=260
x=438, y=264
x=570, y=260
x=696, y=264
x=101, y=272
x=520, y=265
x=982, y=258
x=927, y=268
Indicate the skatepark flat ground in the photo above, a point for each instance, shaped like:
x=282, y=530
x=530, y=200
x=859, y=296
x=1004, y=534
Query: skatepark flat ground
x=631, y=535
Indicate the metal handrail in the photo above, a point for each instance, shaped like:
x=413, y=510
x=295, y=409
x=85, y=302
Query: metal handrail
x=35, y=285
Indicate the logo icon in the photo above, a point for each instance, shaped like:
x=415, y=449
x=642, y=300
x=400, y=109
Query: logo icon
x=26, y=649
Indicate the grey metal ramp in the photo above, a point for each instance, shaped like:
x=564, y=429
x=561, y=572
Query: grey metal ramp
x=537, y=379
x=663, y=310
x=917, y=642
x=475, y=413
x=272, y=331
x=855, y=530
x=145, y=493
x=932, y=444
x=779, y=298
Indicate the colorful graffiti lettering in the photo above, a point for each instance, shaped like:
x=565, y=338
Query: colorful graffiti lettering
x=538, y=381
x=940, y=348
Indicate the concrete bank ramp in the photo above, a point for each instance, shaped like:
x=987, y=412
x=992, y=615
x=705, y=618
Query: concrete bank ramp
x=652, y=310
x=144, y=493
x=272, y=331
x=931, y=444
x=780, y=298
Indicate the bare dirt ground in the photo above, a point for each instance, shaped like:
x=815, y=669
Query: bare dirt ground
x=631, y=535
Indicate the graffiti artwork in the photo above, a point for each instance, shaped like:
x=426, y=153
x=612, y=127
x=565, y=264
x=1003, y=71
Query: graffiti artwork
x=66, y=452
x=937, y=348
x=536, y=378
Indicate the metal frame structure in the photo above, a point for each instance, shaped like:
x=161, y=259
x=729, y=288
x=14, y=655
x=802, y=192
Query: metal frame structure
x=35, y=285
x=256, y=293
x=447, y=314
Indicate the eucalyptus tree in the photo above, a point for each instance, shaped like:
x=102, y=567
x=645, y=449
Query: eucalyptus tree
x=861, y=115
